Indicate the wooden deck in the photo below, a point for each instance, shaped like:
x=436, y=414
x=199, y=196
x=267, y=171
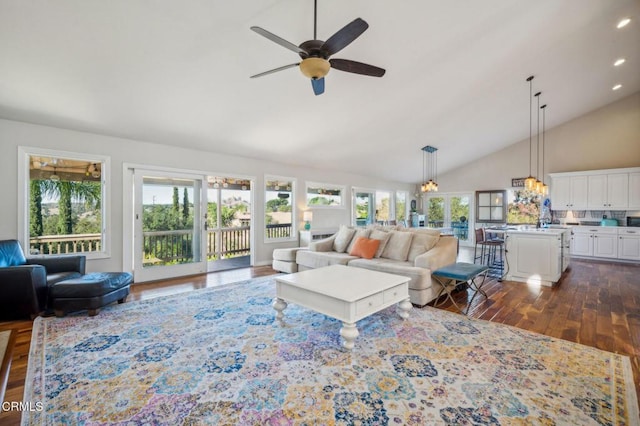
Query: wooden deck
x=595, y=304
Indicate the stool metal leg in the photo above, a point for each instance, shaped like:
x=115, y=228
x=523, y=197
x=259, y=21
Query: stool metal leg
x=478, y=289
x=449, y=282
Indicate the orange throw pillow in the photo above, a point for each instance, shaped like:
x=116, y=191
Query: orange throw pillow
x=365, y=248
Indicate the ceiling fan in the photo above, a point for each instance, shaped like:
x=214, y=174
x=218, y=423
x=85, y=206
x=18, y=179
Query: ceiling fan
x=316, y=54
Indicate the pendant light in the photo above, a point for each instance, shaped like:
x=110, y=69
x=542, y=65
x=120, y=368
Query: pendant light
x=538, y=187
x=530, y=182
x=429, y=169
x=545, y=187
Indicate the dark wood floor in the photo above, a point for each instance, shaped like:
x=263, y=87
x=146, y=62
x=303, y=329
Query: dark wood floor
x=595, y=304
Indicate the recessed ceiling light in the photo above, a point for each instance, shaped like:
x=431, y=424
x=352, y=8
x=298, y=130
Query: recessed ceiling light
x=616, y=87
x=623, y=22
x=619, y=62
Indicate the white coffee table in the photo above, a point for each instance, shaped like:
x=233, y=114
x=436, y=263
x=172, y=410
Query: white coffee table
x=345, y=293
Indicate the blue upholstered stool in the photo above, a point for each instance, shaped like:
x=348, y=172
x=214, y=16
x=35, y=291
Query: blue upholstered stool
x=452, y=275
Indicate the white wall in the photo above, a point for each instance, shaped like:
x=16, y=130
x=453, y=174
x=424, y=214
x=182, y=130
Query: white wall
x=14, y=134
x=606, y=138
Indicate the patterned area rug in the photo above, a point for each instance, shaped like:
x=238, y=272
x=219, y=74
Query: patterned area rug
x=219, y=357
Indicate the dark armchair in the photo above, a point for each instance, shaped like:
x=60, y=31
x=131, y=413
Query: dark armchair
x=24, y=282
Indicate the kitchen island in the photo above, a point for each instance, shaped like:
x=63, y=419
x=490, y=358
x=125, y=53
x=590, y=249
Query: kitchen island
x=537, y=256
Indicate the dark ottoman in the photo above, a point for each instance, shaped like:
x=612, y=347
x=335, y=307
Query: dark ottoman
x=89, y=292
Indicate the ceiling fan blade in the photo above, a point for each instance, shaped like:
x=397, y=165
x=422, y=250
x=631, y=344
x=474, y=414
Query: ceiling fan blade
x=356, y=67
x=318, y=85
x=279, y=40
x=344, y=37
x=275, y=70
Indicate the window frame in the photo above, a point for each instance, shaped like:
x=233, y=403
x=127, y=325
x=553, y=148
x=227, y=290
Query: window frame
x=381, y=194
x=493, y=207
x=294, y=223
x=24, y=154
x=325, y=186
x=405, y=217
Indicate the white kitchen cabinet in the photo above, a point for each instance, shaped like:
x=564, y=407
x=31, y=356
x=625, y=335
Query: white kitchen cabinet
x=605, y=244
x=629, y=244
x=582, y=244
x=595, y=241
x=608, y=191
x=569, y=192
x=634, y=191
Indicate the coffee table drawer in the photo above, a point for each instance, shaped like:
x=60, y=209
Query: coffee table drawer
x=395, y=294
x=369, y=304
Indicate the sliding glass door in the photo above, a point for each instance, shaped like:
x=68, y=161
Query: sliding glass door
x=167, y=225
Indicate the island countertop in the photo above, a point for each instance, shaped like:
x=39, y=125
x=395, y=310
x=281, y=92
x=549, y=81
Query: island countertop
x=538, y=231
x=520, y=230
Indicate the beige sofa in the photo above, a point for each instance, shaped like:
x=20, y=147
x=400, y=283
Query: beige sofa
x=411, y=252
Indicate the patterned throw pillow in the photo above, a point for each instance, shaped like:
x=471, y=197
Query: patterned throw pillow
x=365, y=247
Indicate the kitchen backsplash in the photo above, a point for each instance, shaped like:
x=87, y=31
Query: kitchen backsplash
x=590, y=217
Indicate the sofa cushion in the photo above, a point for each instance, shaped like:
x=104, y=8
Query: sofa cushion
x=343, y=238
x=287, y=254
x=284, y=266
x=421, y=243
x=61, y=276
x=365, y=247
x=420, y=278
x=428, y=231
x=383, y=236
x=397, y=247
x=360, y=232
x=318, y=259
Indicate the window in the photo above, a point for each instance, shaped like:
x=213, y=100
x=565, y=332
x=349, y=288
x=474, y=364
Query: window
x=491, y=206
x=65, y=202
x=279, y=205
x=435, y=212
x=383, y=206
x=401, y=206
x=363, y=211
x=523, y=207
x=320, y=195
x=378, y=206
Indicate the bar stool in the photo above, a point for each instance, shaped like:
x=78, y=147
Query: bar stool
x=491, y=253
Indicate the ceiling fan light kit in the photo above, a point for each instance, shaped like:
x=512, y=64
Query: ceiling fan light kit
x=315, y=54
x=315, y=68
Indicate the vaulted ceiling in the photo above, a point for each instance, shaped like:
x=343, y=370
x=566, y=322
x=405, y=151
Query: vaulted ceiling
x=177, y=73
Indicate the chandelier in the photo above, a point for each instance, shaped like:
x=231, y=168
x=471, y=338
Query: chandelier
x=429, y=169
